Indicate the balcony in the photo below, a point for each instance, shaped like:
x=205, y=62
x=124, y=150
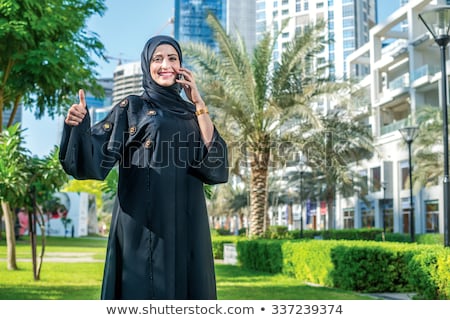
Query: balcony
x=394, y=126
x=395, y=88
x=424, y=74
x=401, y=83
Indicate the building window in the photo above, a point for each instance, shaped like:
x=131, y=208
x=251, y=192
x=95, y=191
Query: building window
x=349, y=218
x=432, y=216
x=388, y=214
x=349, y=44
x=376, y=179
x=319, y=5
x=367, y=217
x=404, y=171
x=348, y=22
x=406, y=213
x=349, y=33
x=285, y=12
x=347, y=11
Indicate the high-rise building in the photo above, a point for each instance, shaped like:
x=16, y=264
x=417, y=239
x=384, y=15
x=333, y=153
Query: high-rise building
x=190, y=20
x=348, y=24
x=235, y=16
x=241, y=18
x=127, y=80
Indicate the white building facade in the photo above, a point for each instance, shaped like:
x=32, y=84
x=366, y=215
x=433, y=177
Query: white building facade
x=404, y=76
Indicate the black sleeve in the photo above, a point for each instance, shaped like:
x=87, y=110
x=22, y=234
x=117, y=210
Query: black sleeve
x=90, y=153
x=212, y=168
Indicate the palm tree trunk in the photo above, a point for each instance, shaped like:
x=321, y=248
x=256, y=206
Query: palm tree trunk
x=10, y=237
x=330, y=209
x=258, y=192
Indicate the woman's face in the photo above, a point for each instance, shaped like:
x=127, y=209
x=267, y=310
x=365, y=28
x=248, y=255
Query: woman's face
x=164, y=65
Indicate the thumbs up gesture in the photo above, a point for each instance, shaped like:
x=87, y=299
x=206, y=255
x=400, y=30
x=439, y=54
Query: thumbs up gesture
x=77, y=111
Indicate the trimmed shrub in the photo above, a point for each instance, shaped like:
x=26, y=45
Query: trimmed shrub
x=309, y=261
x=260, y=255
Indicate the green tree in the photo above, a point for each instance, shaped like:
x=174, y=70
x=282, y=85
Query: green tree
x=331, y=151
x=255, y=100
x=45, y=178
x=44, y=59
x=13, y=183
x=45, y=53
x=30, y=183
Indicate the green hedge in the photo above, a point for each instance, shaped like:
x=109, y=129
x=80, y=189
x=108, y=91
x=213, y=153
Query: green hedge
x=357, y=265
x=372, y=267
x=309, y=261
x=430, y=273
x=262, y=255
x=218, y=242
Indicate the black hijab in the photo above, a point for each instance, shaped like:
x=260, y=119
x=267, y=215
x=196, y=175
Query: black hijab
x=167, y=98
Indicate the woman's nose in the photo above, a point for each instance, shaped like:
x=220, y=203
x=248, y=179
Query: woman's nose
x=165, y=63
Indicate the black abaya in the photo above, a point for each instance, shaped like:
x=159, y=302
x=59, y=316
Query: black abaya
x=159, y=245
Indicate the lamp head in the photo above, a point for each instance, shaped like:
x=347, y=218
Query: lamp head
x=409, y=133
x=437, y=21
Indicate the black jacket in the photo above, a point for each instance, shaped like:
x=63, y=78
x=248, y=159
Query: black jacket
x=159, y=245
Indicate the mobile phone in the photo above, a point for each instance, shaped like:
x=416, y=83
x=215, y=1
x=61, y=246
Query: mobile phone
x=180, y=76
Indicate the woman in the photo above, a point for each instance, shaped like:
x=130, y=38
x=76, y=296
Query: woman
x=159, y=246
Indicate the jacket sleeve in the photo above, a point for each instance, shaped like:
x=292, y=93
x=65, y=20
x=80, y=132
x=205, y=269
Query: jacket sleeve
x=212, y=168
x=90, y=152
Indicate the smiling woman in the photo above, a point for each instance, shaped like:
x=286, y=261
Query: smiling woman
x=167, y=148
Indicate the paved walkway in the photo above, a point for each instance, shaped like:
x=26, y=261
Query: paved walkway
x=392, y=296
x=68, y=257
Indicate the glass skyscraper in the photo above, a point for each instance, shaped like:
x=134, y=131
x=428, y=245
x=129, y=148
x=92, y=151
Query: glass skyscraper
x=190, y=20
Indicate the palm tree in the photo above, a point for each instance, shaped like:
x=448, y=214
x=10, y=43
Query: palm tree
x=428, y=152
x=331, y=151
x=255, y=99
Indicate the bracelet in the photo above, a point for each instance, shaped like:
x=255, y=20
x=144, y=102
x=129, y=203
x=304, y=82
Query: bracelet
x=201, y=111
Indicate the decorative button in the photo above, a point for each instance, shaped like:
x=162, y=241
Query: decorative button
x=133, y=130
x=124, y=103
x=151, y=112
x=148, y=143
x=107, y=126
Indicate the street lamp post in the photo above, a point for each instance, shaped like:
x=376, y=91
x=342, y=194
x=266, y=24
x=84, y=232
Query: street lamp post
x=409, y=134
x=301, y=203
x=383, y=185
x=301, y=164
x=437, y=21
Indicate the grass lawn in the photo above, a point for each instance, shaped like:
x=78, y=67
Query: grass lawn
x=74, y=280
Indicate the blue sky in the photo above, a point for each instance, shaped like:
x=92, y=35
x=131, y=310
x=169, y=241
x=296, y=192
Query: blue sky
x=127, y=25
x=123, y=29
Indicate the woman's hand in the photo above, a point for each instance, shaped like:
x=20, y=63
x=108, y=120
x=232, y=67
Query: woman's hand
x=189, y=86
x=77, y=112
